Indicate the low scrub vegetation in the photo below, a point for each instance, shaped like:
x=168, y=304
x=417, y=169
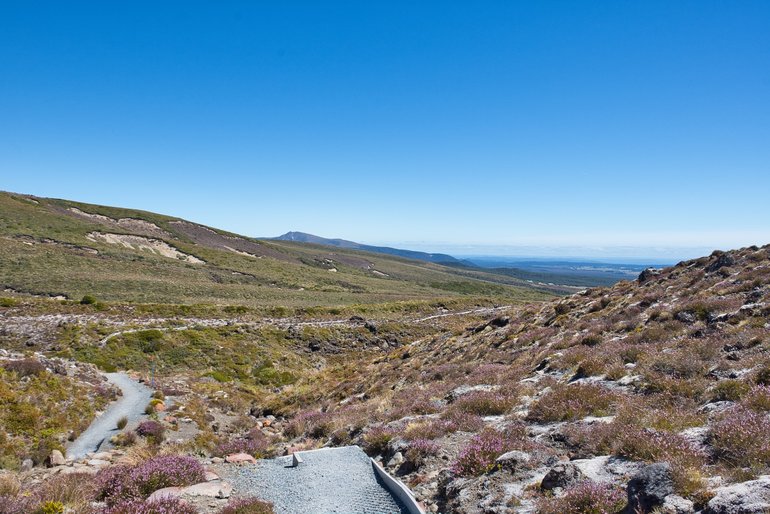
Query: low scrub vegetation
x=586, y=498
x=121, y=484
x=571, y=402
x=40, y=410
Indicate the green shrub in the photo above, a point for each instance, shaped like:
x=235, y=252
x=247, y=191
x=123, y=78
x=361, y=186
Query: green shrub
x=88, y=300
x=763, y=376
x=50, y=507
x=8, y=302
x=122, y=422
x=730, y=390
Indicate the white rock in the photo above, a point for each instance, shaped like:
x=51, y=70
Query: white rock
x=752, y=497
x=57, y=458
x=674, y=504
x=396, y=460
x=212, y=489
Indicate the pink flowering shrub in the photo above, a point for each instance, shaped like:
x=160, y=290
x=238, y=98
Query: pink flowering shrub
x=420, y=449
x=740, y=438
x=485, y=403
x=430, y=429
x=247, y=506
x=415, y=402
x=161, y=506
x=492, y=374
x=452, y=420
x=586, y=498
x=376, y=439
x=757, y=399
x=641, y=444
x=152, y=430
x=118, y=484
x=479, y=455
x=26, y=367
x=570, y=402
x=310, y=423
x=255, y=443
x=17, y=504
x=461, y=421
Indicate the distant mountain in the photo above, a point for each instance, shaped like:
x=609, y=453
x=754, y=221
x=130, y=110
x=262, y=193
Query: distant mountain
x=438, y=258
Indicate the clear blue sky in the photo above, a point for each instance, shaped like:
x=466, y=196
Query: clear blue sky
x=553, y=123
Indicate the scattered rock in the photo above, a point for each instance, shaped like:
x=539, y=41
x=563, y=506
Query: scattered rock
x=56, y=458
x=723, y=259
x=240, y=458
x=396, y=460
x=166, y=492
x=685, y=317
x=211, y=489
x=648, y=274
x=650, y=487
x=752, y=497
x=675, y=504
x=561, y=476
x=27, y=465
x=513, y=460
x=462, y=390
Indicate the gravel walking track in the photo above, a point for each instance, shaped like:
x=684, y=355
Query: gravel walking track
x=135, y=398
x=329, y=481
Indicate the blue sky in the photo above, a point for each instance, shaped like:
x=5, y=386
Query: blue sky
x=554, y=124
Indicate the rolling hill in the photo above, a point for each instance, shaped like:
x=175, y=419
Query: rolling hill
x=61, y=248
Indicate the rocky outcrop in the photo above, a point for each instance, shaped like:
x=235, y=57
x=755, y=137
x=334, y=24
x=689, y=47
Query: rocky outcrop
x=649, y=488
x=752, y=497
x=561, y=476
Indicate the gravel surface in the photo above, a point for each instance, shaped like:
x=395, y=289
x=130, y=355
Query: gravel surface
x=135, y=398
x=334, y=480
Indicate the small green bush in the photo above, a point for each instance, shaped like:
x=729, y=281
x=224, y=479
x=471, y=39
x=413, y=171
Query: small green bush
x=8, y=302
x=88, y=300
x=730, y=390
x=51, y=507
x=122, y=422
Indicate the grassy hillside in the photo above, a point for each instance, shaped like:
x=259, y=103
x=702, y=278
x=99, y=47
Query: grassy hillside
x=57, y=247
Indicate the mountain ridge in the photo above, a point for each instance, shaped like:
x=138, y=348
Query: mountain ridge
x=304, y=237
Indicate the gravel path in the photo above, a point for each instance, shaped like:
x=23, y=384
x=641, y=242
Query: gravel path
x=135, y=398
x=334, y=480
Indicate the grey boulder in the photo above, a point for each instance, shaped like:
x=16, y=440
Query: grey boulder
x=752, y=497
x=649, y=487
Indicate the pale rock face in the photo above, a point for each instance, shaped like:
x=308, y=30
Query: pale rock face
x=165, y=493
x=240, y=458
x=513, y=460
x=674, y=504
x=465, y=389
x=396, y=460
x=57, y=458
x=211, y=489
x=752, y=497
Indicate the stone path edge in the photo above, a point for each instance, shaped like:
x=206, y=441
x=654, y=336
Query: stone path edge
x=398, y=489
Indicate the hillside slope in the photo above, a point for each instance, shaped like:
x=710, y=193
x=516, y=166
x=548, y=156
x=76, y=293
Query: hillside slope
x=673, y=367
x=62, y=248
